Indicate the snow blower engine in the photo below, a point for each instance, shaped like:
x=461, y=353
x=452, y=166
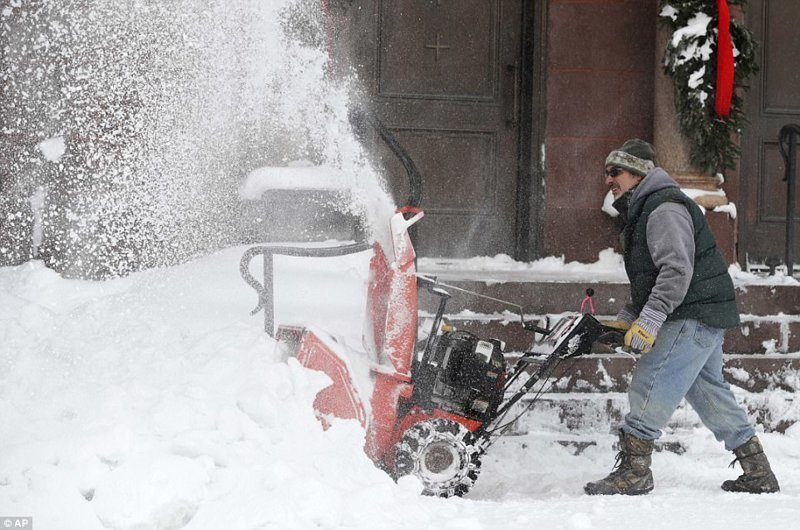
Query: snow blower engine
x=463, y=375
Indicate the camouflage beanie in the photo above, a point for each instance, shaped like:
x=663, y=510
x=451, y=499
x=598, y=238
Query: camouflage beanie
x=636, y=156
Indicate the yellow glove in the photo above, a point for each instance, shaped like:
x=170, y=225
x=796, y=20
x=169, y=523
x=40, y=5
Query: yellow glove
x=644, y=329
x=639, y=339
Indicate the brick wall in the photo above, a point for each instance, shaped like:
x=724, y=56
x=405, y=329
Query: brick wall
x=600, y=66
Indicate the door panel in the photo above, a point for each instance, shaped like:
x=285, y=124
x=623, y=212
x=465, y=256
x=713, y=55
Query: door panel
x=447, y=85
x=423, y=54
x=772, y=102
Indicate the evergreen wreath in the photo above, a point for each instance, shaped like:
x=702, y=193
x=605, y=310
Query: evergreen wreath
x=691, y=61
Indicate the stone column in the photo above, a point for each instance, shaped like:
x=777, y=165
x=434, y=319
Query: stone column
x=672, y=149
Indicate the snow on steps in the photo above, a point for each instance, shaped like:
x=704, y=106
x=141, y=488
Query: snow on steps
x=588, y=394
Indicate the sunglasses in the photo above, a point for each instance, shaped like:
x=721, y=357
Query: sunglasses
x=614, y=171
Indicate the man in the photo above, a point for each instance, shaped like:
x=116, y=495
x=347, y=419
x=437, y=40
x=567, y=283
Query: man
x=682, y=300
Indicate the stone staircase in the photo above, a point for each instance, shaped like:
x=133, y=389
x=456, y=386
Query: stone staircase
x=762, y=360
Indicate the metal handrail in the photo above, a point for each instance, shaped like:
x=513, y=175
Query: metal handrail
x=788, y=143
x=266, y=290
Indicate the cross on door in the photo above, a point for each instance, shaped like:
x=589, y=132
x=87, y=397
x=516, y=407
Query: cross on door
x=437, y=46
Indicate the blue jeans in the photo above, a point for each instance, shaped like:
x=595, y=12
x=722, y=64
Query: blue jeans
x=685, y=362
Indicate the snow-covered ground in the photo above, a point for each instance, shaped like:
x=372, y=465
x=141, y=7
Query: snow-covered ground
x=156, y=401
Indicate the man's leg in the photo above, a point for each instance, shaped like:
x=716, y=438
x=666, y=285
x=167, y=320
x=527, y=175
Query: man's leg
x=660, y=380
x=663, y=376
x=712, y=399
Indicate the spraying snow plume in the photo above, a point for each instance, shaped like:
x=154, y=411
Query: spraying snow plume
x=141, y=118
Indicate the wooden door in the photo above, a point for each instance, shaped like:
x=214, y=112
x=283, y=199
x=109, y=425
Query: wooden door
x=445, y=78
x=772, y=102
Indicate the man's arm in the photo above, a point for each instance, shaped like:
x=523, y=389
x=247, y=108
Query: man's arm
x=670, y=238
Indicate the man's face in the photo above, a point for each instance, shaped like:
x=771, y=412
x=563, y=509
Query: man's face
x=620, y=180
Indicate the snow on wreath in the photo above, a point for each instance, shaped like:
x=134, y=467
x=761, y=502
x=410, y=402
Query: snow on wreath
x=708, y=55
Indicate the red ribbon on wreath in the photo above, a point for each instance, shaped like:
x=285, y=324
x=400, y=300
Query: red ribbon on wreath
x=724, y=89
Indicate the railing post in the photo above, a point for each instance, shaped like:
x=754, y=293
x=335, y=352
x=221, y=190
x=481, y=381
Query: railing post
x=788, y=143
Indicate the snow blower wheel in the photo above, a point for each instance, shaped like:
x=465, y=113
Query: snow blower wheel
x=437, y=452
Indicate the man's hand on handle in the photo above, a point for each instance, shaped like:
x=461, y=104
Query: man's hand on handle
x=643, y=331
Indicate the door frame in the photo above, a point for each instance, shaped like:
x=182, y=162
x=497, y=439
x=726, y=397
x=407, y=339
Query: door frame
x=529, y=236
x=752, y=161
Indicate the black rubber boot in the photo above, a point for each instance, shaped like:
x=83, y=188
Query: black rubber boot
x=758, y=476
x=631, y=474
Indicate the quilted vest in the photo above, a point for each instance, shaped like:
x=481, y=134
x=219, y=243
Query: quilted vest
x=711, y=297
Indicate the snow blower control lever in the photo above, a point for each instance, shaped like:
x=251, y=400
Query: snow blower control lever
x=536, y=329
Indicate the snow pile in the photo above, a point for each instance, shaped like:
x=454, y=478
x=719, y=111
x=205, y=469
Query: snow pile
x=300, y=175
x=609, y=267
x=744, y=278
x=692, y=193
x=156, y=401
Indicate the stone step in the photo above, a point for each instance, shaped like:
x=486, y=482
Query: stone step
x=552, y=297
x=759, y=336
x=577, y=443
x=770, y=315
x=601, y=373
x=587, y=413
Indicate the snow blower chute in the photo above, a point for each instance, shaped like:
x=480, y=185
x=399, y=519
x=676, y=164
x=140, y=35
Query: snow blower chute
x=435, y=406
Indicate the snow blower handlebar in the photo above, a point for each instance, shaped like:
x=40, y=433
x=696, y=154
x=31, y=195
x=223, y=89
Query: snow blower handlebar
x=571, y=337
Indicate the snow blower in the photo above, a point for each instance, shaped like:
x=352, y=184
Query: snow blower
x=434, y=406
